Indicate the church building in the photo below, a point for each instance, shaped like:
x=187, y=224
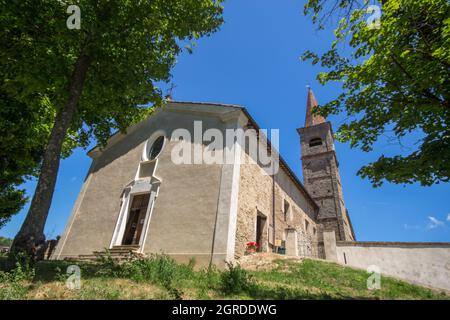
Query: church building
x=136, y=197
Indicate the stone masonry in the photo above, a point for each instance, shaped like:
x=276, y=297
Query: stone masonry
x=321, y=173
x=261, y=194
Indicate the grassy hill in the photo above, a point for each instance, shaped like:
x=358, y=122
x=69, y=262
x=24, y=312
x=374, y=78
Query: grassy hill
x=159, y=277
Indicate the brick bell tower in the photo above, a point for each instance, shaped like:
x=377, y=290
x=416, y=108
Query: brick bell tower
x=321, y=172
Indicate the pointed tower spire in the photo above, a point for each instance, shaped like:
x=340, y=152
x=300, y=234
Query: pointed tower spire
x=311, y=103
x=321, y=174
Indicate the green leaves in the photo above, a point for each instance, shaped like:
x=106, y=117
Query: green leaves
x=23, y=133
x=131, y=45
x=396, y=77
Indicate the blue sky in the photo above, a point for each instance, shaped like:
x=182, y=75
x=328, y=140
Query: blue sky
x=254, y=61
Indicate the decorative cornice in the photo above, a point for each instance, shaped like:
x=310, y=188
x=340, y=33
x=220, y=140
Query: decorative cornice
x=309, y=156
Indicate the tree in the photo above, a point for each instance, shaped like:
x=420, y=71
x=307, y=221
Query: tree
x=396, y=78
x=11, y=201
x=97, y=78
x=322, y=11
x=23, y=134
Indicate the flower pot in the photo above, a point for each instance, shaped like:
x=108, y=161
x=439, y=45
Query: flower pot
x=249, y=251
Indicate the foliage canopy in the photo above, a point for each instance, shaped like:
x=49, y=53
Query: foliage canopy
x=396, y=79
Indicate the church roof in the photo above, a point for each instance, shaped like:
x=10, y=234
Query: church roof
x=311, y=103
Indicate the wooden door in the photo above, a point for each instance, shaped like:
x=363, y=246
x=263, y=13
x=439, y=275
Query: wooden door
x=136, y=219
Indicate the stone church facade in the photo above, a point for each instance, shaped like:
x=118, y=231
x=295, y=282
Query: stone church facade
x=135, y=196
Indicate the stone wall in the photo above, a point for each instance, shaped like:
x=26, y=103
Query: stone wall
x=322, y=180
x=422, y=263
x=258, y=196
x=4, y=249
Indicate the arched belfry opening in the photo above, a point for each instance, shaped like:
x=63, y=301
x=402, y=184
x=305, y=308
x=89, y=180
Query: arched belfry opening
x=314, y=142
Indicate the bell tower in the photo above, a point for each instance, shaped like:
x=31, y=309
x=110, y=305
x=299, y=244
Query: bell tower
x=321, y=172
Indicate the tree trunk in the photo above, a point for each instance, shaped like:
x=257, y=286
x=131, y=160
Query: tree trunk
x=30, y=240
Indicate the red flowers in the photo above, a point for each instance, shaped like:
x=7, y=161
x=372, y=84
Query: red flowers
x=251, y=248
x=252, y=245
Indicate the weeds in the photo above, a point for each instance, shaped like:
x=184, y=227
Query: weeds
x=235, y=279
x=14, y=284
x=156, y=269
x=160, y=277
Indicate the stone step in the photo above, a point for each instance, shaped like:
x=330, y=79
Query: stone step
x=114, y=254
x=93, y=258
x=114, y=251
x=86, y=257
x=117, y=253
x=130, y=246
x=124, y=249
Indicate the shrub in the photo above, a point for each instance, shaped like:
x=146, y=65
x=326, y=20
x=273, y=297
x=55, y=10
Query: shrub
x=108, y=266
x=14, y=284
x=24, y=270
x=158, y=269
x=235, y=279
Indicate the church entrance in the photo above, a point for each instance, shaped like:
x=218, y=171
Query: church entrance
x=136, y=219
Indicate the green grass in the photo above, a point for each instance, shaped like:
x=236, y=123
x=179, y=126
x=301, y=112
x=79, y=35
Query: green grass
x=159, y=277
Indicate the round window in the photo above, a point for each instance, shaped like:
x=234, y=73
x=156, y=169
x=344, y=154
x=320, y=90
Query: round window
x=156, y=148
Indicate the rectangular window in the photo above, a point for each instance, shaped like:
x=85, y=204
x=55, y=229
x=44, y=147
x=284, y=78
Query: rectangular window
x=286, y=210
